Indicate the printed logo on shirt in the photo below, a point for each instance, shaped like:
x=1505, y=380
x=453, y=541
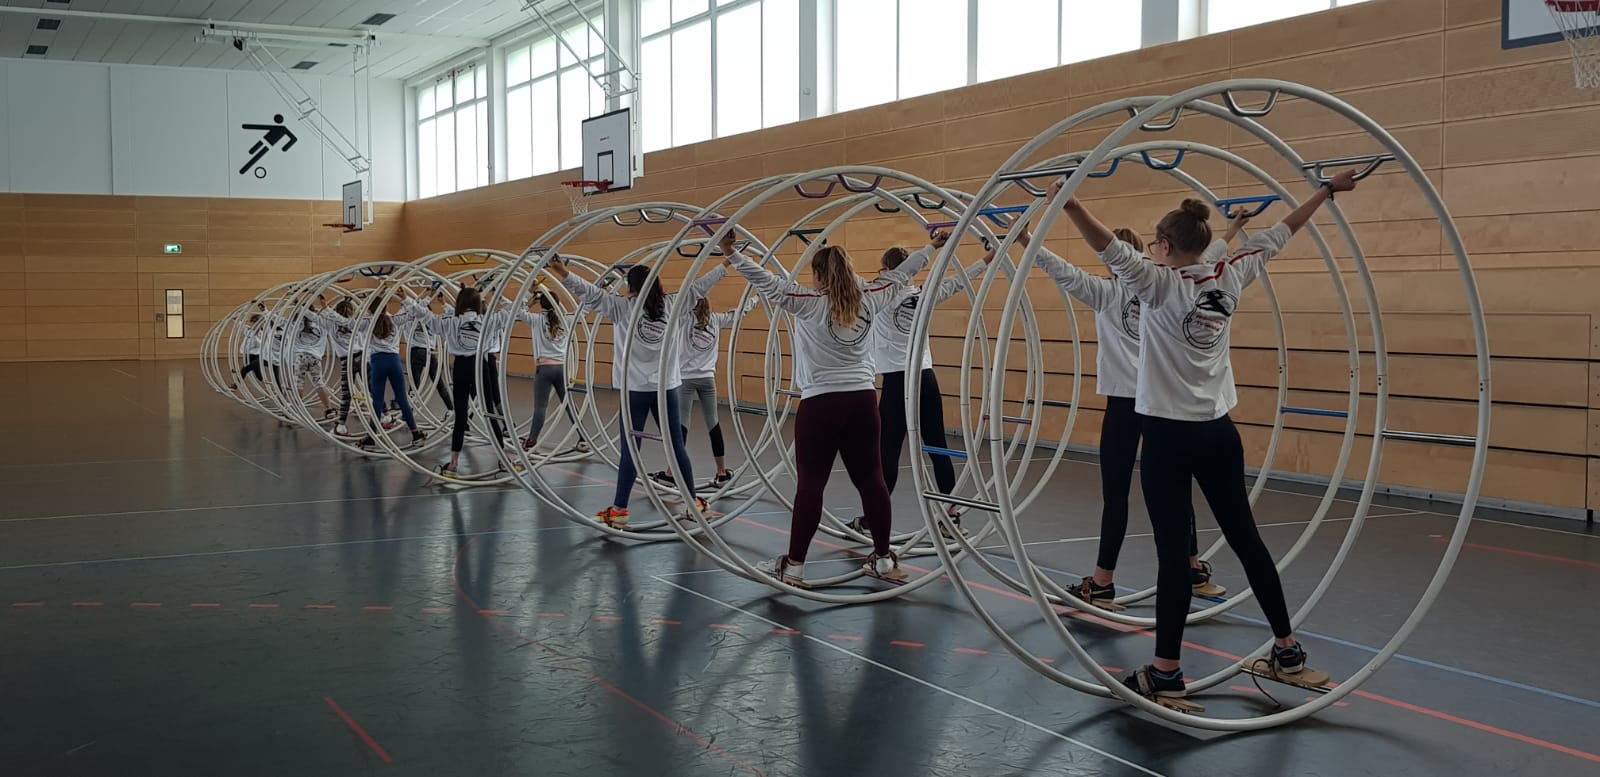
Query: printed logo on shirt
x=652, y=332
x=905, y=313
x=851, y=335
x=1131, y=311
x=1208, y=321
x=702, y=340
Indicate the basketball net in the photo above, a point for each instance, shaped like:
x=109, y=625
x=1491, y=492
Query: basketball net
x=1579, y=21
x=576, y=193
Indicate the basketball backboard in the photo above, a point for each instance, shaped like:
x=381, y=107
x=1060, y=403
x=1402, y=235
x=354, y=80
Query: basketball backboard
x=609, y=149
x=354, y=218
x=1526, y=23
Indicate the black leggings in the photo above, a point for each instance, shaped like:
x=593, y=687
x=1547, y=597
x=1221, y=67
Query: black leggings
x=892, y=428
x=425, y=370
x=1207, y=452
x=464, y=387
x=252, y=364
x=1119, y=447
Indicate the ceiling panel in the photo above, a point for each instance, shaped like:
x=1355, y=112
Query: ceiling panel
x=117, y=41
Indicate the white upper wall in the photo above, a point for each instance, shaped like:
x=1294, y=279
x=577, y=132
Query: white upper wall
x=81, y=128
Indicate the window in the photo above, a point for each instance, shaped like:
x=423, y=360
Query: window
x=453, y=132
x=717, y=69
x=1017, y=36
x=549, y=93
x=933, y=46
x=864, y=73
x=1224, y=15
x=1115, y=27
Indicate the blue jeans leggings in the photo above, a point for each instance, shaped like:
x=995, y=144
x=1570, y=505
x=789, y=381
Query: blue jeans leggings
x=640, y=405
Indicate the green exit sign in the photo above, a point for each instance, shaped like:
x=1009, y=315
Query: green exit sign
x=173, y=248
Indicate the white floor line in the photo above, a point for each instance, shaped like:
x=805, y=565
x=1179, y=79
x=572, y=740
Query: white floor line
x=259, y=505
x=230, y=452
x=918, y=680
x=121, y=372
x=1096, y=538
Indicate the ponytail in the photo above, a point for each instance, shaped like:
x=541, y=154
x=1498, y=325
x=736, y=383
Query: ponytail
x=1130, y=237
x=655, y=300
x=837, y=279
x=552, y=319
x=702, y=313
x=384, y=326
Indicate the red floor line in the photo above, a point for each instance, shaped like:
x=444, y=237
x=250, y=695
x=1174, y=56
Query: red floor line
x=206, y=605
x=322, y=607
x=1523, y=738
x=436, y=610
x=597, y=680
x=970, y=651
x=784, y=632
x=261, y=606
x=1113, y=669
x=88, y=604
x=843, y=638
x=494, y=612
x=1528, y=554
x=1043, y=660
x=905, y=644
x=665, y=622
x=378, y=608
x=145, y=604
x=607, y=618
x=552, y=615
x=724, y=627
x=356, y=727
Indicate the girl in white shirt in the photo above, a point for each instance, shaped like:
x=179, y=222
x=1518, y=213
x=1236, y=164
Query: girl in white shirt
x=384, y=370
x=338, y=322
x=1116, y=321
x=254, y=338
x=838, y=413
x=644, y=378
x=1185, y=390
x=891, y=339
x=701, y=340
x=462, y=328
x=310, y=343
x=550, y=338
x=426, y=372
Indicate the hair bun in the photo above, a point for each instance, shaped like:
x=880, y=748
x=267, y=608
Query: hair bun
x=1197, y=209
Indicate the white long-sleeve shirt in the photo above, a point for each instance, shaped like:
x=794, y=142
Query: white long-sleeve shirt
x=311, y=339
x=252, y=341
x=339, y=327
x=1185, y=373
x=641, y=349
x=827, y=358
x=545, y=345
x=402, y=321
x=460, y=333
x=420, y=333
x=700, y=345
x=277, y=327
x=1116, y=319
x=891, y=333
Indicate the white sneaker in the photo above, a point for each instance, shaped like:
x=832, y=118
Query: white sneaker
x=885, y=567
x=785, y=571
x=341, y=429
x=583, y=446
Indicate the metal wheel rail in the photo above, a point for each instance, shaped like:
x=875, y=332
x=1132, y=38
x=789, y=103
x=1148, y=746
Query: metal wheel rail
x=1148, y=116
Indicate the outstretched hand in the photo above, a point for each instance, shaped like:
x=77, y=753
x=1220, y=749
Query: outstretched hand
x=1343, y=182
x=557, y=267
x=1055, y=189
x=940, y=238
x=727, y=245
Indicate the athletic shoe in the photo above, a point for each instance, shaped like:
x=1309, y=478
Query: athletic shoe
x=1289, y=660
x=616, y=518
x=583, y=446
x=1200, y=581
x=858, y=525
x=664, y=477
x=1094, y=594
x=785, y=571
x=330, y=414
x=447, y=470
x=885, y=567
x=368, y=442
x=723, y=478
x=341, y=429
x=417, y=436
x=945, y=530
x=1148, y=682
x=529, y=444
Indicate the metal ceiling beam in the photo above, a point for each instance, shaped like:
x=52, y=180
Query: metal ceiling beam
x=326, y=33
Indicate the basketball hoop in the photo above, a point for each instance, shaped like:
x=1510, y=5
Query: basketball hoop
x=577, y=190
x=1579, y=21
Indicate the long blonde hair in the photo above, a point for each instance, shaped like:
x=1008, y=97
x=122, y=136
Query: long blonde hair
x=702, y=313
x=836, y=278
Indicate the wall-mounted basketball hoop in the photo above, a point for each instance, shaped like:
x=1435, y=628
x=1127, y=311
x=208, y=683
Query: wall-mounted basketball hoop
x=577, y=190
x=1579, y=22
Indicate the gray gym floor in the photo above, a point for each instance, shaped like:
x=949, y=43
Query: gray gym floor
x=187, y=587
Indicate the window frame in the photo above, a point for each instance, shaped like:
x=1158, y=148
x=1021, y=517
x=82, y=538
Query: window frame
x=478, y=106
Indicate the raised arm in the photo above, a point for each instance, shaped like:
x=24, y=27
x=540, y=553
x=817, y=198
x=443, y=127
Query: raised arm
x=1096, y=234
x=1236, y=224
x=784, y=293
x=588, y=295
x=698, y=288
x=952, y=287
x=1296, y=220
x=1092, y=290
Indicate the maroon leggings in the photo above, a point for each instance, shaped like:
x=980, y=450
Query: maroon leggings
x=843, y=424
